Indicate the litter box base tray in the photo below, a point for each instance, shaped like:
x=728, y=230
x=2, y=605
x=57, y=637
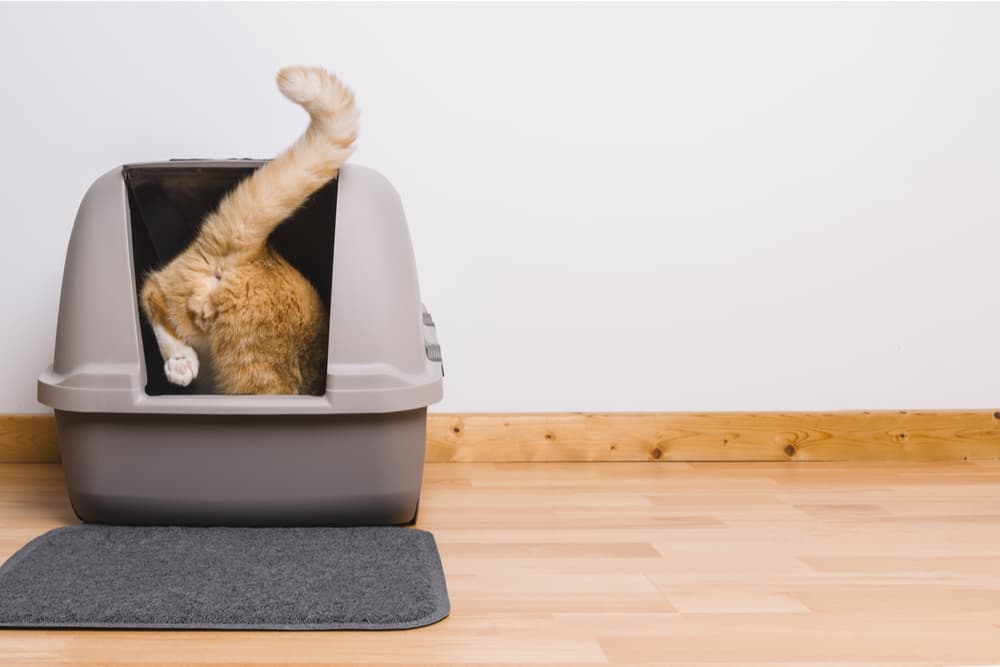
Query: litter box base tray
x=243, y=470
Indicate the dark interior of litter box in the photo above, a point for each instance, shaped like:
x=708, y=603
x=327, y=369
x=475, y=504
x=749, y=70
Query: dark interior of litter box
x=167, y=203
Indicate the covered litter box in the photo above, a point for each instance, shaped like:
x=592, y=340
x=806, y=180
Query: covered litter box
x=138, y=450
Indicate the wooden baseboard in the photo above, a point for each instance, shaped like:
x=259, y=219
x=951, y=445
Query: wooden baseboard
x=28, y=439
x=952, y=435
x=730, y=436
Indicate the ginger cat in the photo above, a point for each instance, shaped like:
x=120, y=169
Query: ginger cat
x=230, y=296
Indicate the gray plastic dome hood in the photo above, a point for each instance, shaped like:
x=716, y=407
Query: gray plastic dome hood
x=383, y=352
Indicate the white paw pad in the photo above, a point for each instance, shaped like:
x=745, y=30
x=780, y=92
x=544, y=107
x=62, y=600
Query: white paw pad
x=182, y=370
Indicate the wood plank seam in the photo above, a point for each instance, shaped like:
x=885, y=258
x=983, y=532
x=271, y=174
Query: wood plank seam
x=950, y=435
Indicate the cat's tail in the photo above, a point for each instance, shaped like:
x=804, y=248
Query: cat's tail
x=247, y=215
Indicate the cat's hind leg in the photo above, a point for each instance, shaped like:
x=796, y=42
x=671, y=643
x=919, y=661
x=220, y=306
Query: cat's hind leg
x=180, y=361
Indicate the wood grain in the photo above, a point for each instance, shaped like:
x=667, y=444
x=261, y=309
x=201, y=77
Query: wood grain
x=715, y=436
x=763, y=564
x=959, y=435
x=28, y=439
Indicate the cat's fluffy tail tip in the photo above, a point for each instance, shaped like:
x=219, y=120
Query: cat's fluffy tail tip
x=302, y=84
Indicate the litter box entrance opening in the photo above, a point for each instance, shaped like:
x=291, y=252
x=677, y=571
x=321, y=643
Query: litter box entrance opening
x=167, y=203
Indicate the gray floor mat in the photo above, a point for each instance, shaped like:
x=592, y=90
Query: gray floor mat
x=99, y=576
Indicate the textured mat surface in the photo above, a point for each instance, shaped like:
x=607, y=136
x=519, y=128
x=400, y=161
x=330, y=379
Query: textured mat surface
x=382, y=578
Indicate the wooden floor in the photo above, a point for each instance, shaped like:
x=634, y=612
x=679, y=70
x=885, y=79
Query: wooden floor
x=638, y=563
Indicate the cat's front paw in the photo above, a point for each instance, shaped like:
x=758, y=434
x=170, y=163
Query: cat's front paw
x=182, y=369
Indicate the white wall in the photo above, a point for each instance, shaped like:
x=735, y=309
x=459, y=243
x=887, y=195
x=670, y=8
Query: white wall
x=644, y=207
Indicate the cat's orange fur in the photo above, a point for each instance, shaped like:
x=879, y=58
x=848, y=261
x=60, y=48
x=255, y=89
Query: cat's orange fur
x=230, y=295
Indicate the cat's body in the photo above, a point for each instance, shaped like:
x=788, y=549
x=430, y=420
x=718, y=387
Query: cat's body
x=230, y=296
